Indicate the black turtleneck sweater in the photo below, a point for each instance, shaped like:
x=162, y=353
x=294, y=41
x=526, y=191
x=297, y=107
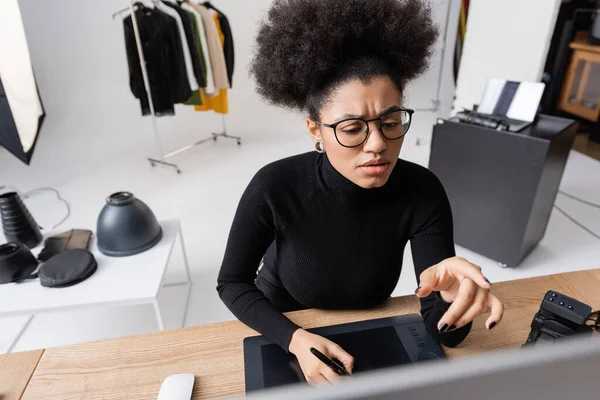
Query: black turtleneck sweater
x=327, y=243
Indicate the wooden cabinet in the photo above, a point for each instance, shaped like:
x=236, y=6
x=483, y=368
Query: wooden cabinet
x=581, y=89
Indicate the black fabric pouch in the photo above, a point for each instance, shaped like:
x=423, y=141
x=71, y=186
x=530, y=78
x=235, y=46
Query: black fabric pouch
x=70, y=240
x=67, y=268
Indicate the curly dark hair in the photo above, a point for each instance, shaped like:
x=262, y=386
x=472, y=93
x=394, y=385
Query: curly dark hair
x=307, y=48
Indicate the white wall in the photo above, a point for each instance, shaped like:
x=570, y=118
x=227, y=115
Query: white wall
x=78, y=56
x=506, y=39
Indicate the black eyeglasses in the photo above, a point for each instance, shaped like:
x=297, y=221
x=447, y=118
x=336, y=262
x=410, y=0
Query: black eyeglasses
x=352, y=132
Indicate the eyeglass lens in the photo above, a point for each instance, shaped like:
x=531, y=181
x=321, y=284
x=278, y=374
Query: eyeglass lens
x=353, y=132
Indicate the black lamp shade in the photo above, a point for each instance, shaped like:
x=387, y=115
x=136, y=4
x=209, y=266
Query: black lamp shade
x=126, y=226
x=17, y=223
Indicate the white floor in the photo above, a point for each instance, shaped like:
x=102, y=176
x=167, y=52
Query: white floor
x=204, y=198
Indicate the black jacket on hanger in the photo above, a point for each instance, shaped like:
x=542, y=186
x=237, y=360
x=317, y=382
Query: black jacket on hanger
x=228, y=45
x=165, y=64
x=181, y=85
x=156, y=55
x=191, y=41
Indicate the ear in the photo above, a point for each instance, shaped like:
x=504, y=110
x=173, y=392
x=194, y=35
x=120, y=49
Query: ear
x=314, y=128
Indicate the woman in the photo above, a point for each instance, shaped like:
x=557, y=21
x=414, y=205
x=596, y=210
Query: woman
x=330, y=226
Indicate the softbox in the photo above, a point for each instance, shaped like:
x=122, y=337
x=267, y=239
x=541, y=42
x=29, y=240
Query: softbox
x=21, y=110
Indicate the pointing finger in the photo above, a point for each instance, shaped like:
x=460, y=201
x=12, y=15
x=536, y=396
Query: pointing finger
x=462, y=302
x=477, y=307
x=497, y=311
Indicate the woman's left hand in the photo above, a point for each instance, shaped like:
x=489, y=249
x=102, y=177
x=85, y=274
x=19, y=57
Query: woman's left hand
x=462, y=284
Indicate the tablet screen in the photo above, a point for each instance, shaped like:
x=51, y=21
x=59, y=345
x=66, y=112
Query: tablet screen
x=371, y=348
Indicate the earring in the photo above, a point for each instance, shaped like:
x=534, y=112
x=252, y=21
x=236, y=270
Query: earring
x=319, y=146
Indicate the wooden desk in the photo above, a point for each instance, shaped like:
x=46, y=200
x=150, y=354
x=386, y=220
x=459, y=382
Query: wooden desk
x=134, y=367
x=15, y=371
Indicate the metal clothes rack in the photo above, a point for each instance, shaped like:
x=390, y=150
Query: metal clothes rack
x=162, y=158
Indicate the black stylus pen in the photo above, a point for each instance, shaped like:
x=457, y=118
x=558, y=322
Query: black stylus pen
x=335, y=365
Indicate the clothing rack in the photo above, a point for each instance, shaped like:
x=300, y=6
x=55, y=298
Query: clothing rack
x=162, y=157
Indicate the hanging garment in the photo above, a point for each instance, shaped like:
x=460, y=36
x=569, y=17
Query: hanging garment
x=215, y=17
x=218, y=103
x=195, y=98
x=215, y=49
x=191, y=44
x=210, y=82
x=21, y=110
x=189, y=67
x=198, y=43
x=228, y=46
x=177, y=60
x=165, y=63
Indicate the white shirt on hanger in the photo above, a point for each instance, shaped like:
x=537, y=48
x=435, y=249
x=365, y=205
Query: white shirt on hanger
x=184, y=43
x=210, y=81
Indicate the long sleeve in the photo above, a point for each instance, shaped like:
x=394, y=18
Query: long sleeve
x=228, y=45
x=215, y=49
x=136, y=83
x=432, y=242
x=198, y=44
x=152, y=40
x=209, y=90
x=180, y=86
x=182, y=39
x=252, y=231
x=189, y=44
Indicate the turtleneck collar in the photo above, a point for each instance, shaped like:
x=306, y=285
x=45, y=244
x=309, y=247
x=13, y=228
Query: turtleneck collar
x=335, y=182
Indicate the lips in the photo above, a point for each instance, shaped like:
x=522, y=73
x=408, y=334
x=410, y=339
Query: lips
x=375, y=167
x=375, y=162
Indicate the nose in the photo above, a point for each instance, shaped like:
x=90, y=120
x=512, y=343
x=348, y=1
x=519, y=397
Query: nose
x=375, y=142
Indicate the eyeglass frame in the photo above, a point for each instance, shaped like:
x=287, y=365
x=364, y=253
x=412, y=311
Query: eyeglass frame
x=333, y=126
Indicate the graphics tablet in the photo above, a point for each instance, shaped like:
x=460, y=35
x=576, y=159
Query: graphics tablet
x=374, y=344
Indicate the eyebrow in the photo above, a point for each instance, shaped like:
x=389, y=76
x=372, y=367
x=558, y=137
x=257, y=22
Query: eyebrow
x=387, y=110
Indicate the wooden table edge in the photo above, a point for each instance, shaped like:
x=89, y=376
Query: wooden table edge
x=40, y=354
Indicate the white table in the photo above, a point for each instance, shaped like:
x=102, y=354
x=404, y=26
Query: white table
x=118, y=281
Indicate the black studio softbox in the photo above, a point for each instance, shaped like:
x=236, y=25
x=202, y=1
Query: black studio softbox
x=21, y=110
x=9, y=133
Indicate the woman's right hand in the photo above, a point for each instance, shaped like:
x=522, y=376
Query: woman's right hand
x=314, y=370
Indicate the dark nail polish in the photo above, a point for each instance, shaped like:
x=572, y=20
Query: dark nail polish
x=452, y=327
x=417, y=289
x=493, y=324
x=443, y=328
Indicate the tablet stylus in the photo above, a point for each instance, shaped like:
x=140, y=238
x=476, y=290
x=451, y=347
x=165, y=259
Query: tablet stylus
x=335, y=365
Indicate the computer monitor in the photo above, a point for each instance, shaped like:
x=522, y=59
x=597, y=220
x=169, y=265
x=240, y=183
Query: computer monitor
x=567, y=369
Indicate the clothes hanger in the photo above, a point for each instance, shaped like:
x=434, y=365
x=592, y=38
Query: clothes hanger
x=136, y=5
x=121, y=11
